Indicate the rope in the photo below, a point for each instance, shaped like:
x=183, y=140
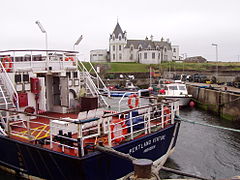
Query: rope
x=207, y=125
x=128, y=157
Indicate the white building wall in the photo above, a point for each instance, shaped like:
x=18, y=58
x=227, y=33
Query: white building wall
x=117, y=52
x=175, y=52
x=98, y=55
x=150, y=58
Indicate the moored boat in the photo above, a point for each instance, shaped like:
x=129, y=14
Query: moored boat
x=175, y=90
x=52, y=117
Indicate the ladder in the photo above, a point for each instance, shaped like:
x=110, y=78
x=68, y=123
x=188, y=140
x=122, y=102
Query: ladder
x=92, y=82
x=8, y=100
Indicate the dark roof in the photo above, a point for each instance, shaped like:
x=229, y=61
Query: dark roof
x=136, y=43
x=117, y=30
x=162, y=44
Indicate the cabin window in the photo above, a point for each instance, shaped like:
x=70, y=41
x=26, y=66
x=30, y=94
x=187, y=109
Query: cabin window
x=183, y=88
x=68, y=74
x=26, y=77
x=18, y=78
x=75, y=74
x=172, y=88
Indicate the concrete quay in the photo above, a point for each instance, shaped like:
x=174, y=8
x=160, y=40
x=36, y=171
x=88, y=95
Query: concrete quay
x=220, y=99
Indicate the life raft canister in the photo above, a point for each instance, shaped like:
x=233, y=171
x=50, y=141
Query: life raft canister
x=166, y=112
x=69, y=59
x=130, y=105
x=118, y=129
x=7, y=63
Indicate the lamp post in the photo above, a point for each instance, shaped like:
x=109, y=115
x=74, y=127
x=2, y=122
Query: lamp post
x=216, y=58
x=43, y=31
x=78, y=41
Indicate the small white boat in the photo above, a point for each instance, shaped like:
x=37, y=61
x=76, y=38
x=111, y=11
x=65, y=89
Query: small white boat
x=176, y=90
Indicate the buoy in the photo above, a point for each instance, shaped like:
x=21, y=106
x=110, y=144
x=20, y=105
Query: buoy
x=192, y=104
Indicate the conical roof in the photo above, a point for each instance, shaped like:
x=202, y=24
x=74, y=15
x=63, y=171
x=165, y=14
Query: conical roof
x=117, y=30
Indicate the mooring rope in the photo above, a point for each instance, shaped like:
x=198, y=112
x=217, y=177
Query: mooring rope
x=207, y=125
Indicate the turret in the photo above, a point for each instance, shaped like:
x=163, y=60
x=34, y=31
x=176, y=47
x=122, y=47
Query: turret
x=117, y=41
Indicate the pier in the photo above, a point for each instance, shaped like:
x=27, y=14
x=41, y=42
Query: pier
x=220, y=99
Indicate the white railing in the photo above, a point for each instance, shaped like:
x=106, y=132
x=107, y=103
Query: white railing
x=90, y=83
x=8, y=85
x=139, y=120
x=111, y=129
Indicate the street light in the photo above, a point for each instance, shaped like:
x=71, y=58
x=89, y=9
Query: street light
x=216, y=58
x=78, y=41
x=43, y=31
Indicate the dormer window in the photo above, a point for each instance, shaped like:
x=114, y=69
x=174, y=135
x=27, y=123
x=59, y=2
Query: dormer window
x=113, y=37
x=165, y=49
x=120, y=37
x=149, y=47
x=131, y=47
x=140, y=47
x=157, y=48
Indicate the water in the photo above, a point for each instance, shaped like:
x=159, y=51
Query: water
x=204, y=151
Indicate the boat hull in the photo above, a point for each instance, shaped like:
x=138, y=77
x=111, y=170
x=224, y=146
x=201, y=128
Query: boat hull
x=47, y=164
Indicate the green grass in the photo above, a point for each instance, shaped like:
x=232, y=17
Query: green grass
x=171, y=66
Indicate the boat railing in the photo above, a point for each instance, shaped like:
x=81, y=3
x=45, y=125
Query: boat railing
x=39, y=60
x=8, y=85
x=126, y=94
x=139, y=121
x=94, y=89
x=76, y=135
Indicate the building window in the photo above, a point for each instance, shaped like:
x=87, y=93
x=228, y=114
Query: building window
x=145, y=55
x=113, y=56
x=131, y=56
x=100, y=54
x=120, y=56
x=149, y=47
x=153, y=55
x=120, y=47
x=113, y=48
x=113, y=37
x=120, y=37
x=174, y=50
x=165, y=49
x=140, y=56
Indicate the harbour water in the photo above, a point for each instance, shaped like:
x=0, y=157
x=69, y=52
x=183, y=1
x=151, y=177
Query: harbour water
x=203, y=151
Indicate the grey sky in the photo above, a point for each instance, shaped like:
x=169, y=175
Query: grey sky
x=191, y=24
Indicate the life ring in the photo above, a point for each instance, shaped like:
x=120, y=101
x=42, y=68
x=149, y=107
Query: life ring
x=130, y=101
x=118, y=130
x=69, y=59
x=167, y=114
x=7, y=63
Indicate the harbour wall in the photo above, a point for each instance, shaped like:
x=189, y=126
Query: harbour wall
x=222, y=103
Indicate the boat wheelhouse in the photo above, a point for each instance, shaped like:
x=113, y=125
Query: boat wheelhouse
x=176, y=90
x=52, y=118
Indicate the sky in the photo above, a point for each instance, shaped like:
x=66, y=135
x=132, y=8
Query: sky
x=192, y=24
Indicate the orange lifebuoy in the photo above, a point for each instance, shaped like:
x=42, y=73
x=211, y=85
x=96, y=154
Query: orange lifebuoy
x=69, y=58
x=118, y=129
x=167, y=114
x=7, y=63
x=130, y=101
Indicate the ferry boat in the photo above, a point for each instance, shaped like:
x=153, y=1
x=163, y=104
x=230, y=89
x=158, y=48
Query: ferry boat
x=176, y=90
x=52, y=117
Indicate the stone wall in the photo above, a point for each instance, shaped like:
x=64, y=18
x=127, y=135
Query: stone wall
x=225, y=104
